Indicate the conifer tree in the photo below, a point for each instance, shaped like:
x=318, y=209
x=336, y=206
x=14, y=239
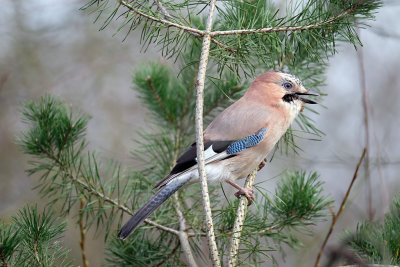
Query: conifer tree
x=215, y=49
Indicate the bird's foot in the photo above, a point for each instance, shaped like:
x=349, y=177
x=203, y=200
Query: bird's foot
x=262, y=164
x=248, y=193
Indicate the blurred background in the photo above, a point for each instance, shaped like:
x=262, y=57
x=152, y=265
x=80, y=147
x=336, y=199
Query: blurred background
x=50, y=46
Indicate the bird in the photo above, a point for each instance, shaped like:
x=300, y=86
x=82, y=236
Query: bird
x=236, y=141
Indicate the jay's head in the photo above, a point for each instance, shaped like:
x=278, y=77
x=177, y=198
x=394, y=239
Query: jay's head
x=281, y=88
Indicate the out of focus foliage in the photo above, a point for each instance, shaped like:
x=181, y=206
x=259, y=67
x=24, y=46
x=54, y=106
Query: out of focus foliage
x=379, y=242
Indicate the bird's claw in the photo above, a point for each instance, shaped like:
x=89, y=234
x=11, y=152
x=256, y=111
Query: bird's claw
x=248, y=193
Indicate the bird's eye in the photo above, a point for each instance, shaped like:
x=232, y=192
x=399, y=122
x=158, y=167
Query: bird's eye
x=287, y=85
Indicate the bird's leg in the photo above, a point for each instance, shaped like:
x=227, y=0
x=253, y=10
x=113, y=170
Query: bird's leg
x=262, y=164
x=247, y=192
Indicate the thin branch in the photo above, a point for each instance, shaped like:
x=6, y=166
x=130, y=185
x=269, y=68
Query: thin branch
x=183, y=236
x=119, y=206
x=163, y=9
x=288, y=28
x=190, y=30
x=341, y=208
x=360, y=56
x=83, y=233
x=205, y=51
x=103, y=196
x=223, y=46
x=239, y=220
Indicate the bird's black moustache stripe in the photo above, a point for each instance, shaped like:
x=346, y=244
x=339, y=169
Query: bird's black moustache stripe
x=290, y=97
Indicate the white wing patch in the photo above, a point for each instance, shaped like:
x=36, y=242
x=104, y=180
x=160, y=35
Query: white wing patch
x=208, y=153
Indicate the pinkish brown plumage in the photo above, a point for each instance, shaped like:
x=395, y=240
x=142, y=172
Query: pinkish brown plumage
x=233, y=143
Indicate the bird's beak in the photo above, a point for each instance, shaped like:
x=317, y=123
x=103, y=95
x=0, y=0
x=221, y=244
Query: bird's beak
x=305, y=100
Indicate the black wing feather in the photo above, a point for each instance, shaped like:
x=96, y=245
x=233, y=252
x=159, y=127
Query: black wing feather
x=189, y=158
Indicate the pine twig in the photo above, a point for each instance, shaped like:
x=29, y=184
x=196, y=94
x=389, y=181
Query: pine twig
x=205, y=51
x=229, y=49
x=83, y=233
x=192, y=31
x=121, y=207
x=103, y=196
x=341, y=208
x=183, y=236
x=162, y=9
x=288, y=28
x=187, y=29
x=239, y=220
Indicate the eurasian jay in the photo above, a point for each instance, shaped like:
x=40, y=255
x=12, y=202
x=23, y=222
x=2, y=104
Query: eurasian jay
x=236, y=141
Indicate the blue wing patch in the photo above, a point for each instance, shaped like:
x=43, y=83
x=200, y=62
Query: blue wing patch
x=247, y=142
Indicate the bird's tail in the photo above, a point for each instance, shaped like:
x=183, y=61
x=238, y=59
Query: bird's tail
x=163, y=194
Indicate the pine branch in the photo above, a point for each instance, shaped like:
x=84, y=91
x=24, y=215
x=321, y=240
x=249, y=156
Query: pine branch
x=205, y=51
x=139, y=12
x=195, y=32
x=101, y=195
x=119, y=206
x=239, y=221
x=163, y=9
x=289, y=28
x=227, y=48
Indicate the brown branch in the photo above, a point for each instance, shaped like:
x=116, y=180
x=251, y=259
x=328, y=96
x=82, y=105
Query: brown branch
x=288, y=28
x=239, y=220
x=223, y=46
x=83, y=233
x=365, y=105
x=341, y=208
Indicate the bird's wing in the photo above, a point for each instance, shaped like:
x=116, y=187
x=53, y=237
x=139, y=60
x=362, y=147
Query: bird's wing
x=241, y=119
x=213, y=151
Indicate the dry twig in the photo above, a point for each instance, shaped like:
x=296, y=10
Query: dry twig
x=341, y=208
